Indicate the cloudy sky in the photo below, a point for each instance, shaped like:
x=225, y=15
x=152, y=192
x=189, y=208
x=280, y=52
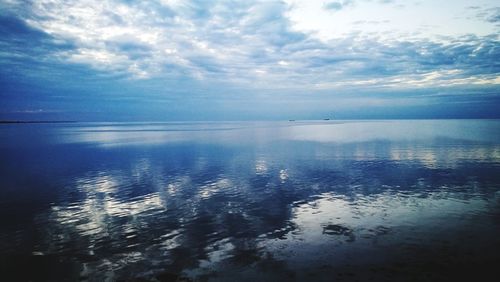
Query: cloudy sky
x=106, y=60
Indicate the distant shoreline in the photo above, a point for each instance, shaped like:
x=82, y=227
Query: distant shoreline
x=204, y=121
x=36, y=121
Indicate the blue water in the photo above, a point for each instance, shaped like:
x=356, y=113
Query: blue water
x=250, y=201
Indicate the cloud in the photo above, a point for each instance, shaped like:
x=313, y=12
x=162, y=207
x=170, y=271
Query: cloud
x=224, y=49
x=234, y=41
x=339, y=5
x=493, y=15
x=21, y=40
x=336, y=6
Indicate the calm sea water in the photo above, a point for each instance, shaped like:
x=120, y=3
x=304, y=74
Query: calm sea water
x=244, y=201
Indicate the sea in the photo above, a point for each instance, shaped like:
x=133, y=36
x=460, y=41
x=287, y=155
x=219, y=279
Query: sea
x=333, y=200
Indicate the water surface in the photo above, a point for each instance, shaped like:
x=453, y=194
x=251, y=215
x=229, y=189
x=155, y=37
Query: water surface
x=251, y=201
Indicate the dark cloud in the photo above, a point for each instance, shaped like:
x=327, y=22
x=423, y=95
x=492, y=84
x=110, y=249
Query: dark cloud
x=491, y=15
x=18, y=37
x=494, y=17
x=338, y=5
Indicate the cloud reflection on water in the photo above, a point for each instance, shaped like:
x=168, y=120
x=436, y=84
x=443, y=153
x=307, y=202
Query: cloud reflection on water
x=218, y=201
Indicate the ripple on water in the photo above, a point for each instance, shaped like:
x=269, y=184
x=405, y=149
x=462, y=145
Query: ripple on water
x=276, y=203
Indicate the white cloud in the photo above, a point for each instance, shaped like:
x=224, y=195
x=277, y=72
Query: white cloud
x=273, y=44
x=388, y=19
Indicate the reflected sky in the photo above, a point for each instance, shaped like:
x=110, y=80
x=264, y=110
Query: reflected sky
x=264, y=201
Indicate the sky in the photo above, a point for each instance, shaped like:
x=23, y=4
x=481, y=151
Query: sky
x=173, y=60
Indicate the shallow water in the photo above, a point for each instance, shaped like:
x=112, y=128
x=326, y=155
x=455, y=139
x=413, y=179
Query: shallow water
x=251, y=201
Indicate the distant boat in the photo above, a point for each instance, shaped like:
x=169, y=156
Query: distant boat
x=291, y=120
x=326, y=119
